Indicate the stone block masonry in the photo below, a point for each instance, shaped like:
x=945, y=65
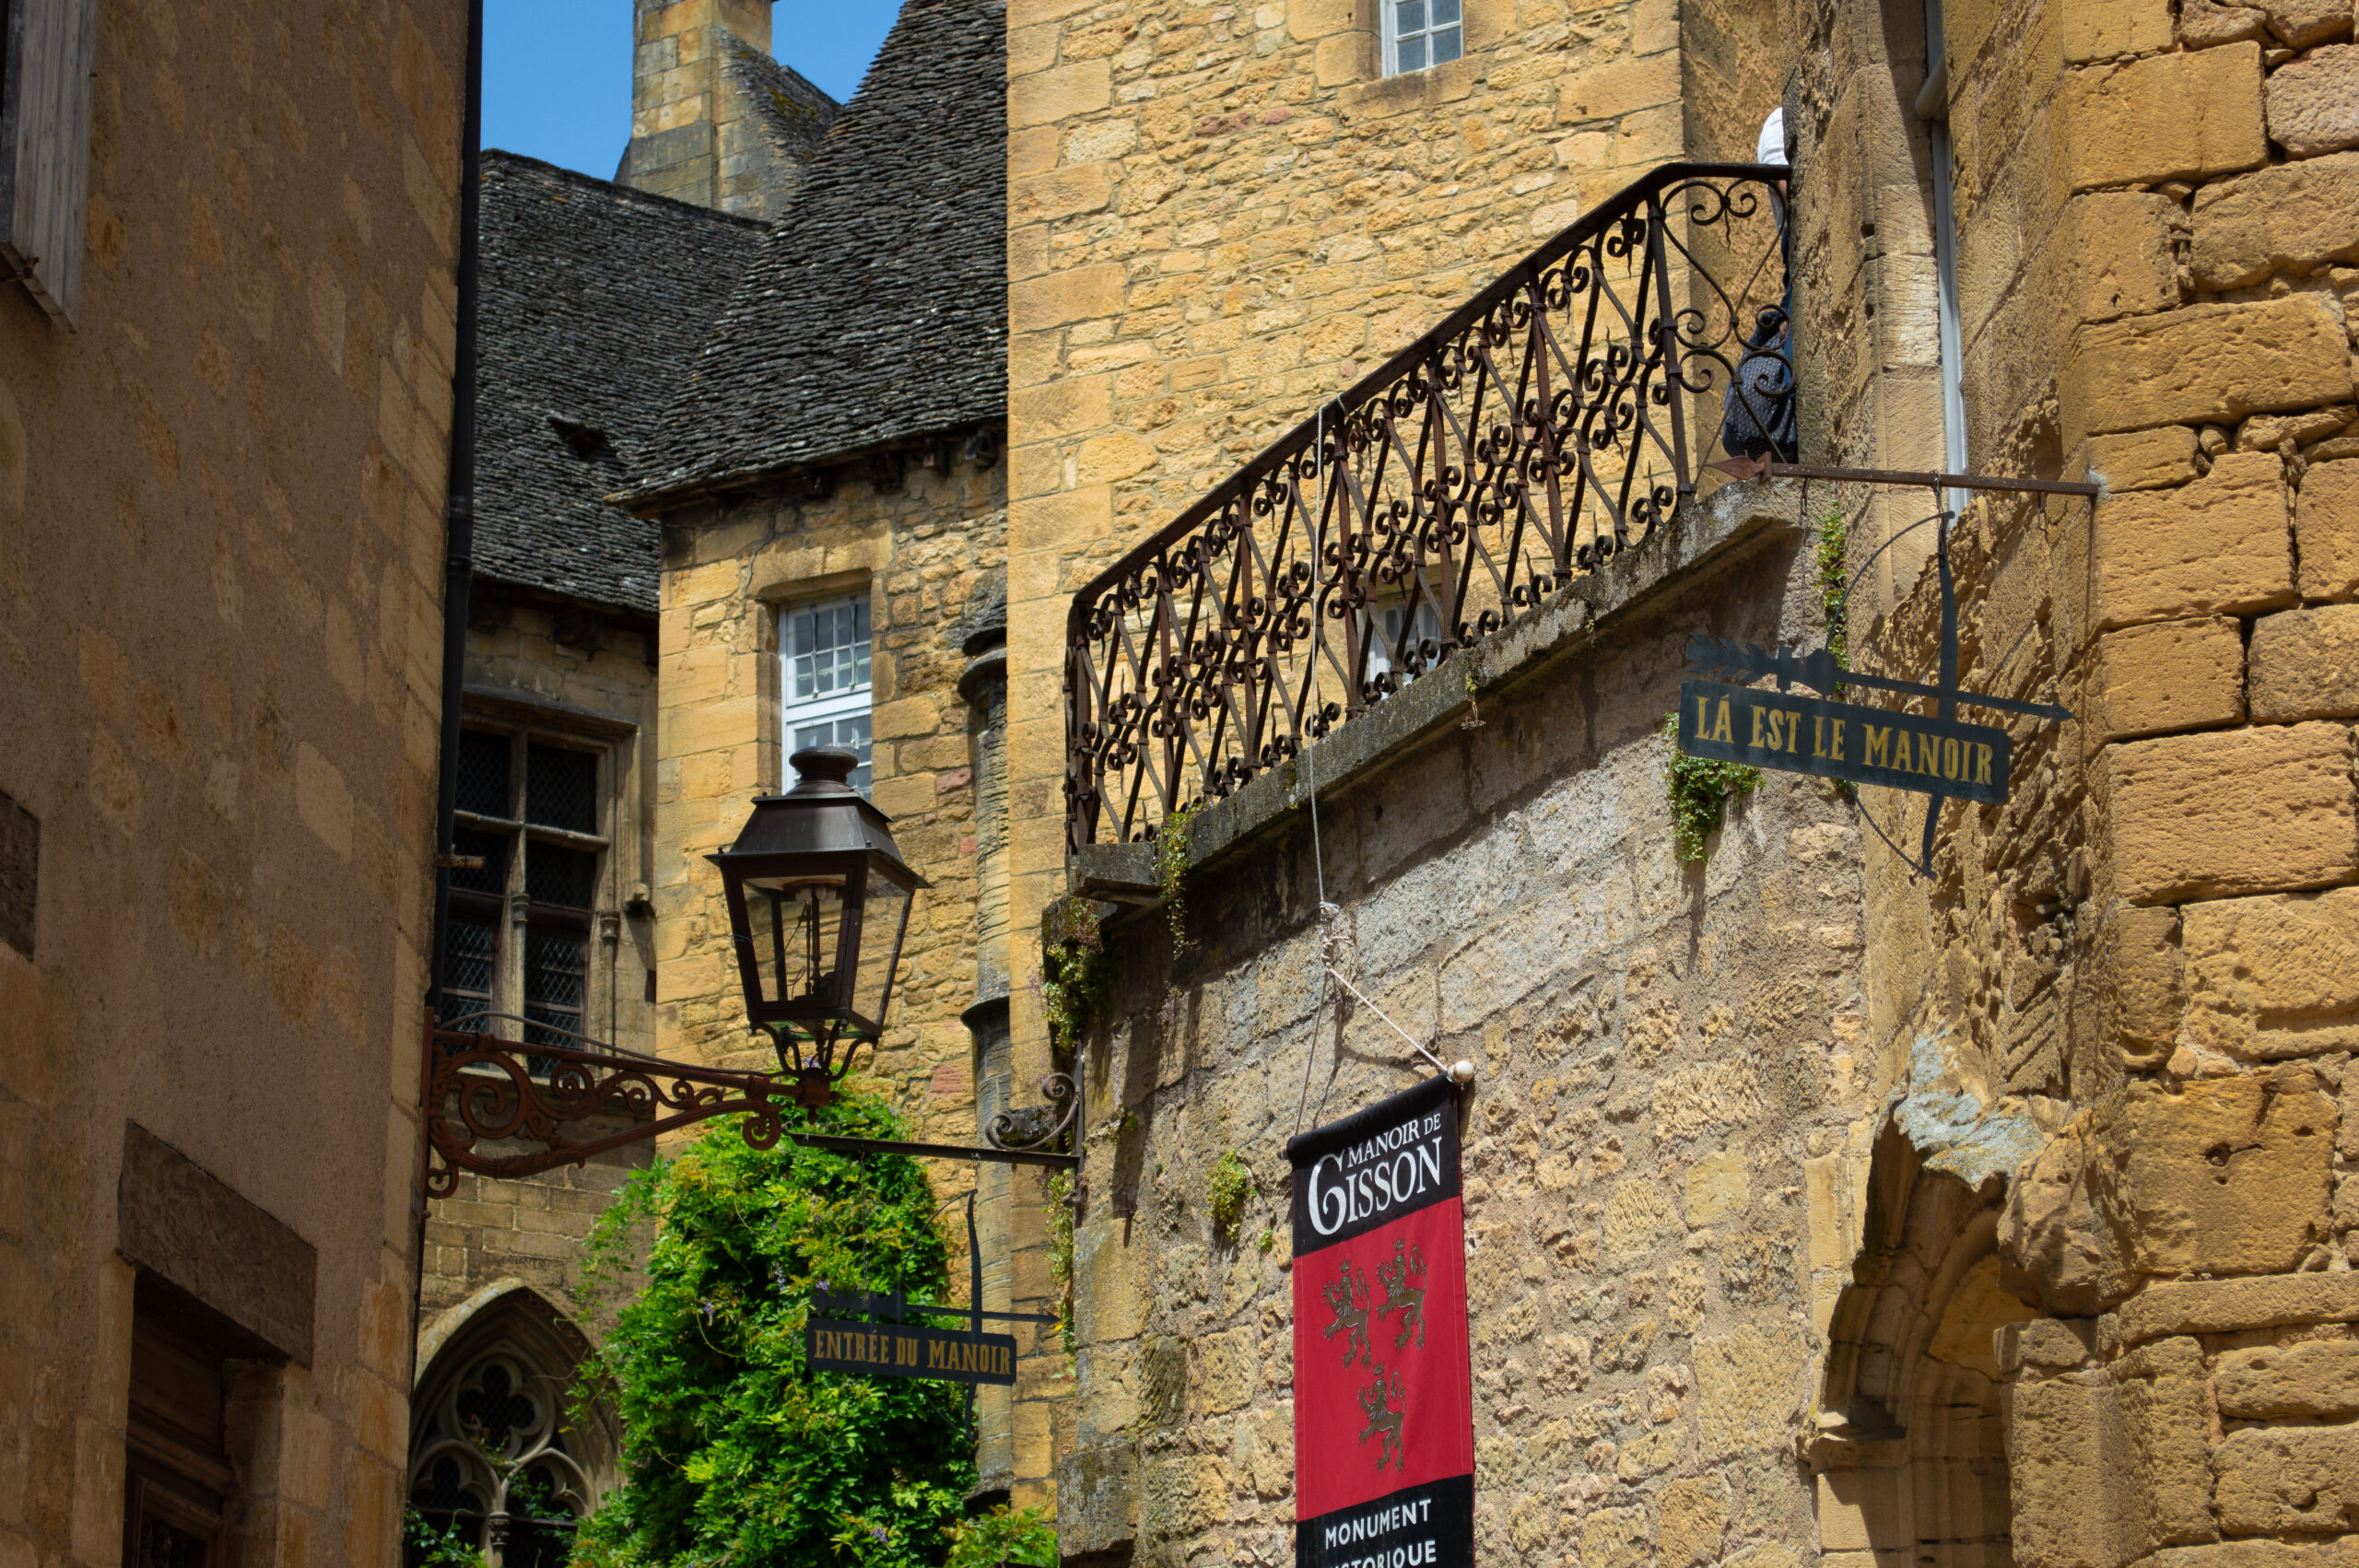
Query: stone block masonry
x=1218, y=215
x=222, y=551
x=1660, y=1051
x=918, y=554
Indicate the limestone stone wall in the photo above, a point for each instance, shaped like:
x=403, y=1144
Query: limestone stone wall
x=222, y=502
x=1665, y=1054
x=2129, y=960
x=1219, y=216
x=920, y=552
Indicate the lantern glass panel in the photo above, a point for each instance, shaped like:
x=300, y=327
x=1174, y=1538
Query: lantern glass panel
x=884, y=921
x=797, y=924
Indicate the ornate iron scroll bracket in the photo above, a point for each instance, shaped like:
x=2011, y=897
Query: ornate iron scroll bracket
x=481, y=1088
x=1035, y=1127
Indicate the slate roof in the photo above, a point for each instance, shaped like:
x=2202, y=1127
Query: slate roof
x=876, y=309
x=593, y=297
x=793, y=115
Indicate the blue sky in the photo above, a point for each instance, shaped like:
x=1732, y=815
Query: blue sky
x=557, y=73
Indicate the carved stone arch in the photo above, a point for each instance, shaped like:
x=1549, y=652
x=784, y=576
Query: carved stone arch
x=1911, y=1450
x=498, y=1452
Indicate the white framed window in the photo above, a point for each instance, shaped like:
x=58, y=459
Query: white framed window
x=1419, y=33
x=824, y=683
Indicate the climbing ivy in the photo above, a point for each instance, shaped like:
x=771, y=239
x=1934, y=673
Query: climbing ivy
x=1076, y=981
x=1699, y=788
x=1831, y=587
x=1060, y=1213
x=1171, y=872
x=430, y=1548
x=733, y=1450
x=1003, y=1537
x=1231, y=1185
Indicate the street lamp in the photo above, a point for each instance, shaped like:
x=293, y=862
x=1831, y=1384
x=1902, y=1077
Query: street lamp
x=818, y=903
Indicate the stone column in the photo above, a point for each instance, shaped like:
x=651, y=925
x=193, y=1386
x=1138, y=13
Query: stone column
x=983, y=686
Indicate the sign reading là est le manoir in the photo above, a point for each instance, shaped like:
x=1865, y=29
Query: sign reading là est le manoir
x=1840, y=739
x=910, y=1349
x=1778, y=729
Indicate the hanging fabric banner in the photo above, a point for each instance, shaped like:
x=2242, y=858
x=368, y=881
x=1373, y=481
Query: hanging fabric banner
x=1383, y=1398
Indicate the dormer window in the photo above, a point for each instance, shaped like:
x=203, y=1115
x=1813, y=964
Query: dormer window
x=586, y=441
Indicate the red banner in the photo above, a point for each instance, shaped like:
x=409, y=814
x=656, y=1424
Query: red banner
x=1383, y=1399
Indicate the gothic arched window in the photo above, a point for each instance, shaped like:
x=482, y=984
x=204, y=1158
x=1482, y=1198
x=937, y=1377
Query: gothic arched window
x=495, y=1464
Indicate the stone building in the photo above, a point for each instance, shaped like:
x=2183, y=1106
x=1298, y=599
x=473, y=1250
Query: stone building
x=226, y=357
x=593, y=296
x=715, y=119
x=1816, y=1209
x=827, y=479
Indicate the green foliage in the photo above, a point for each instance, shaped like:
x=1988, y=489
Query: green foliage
x=1026, y=1536
x=1230, y=1186
x=1698, y=788
x=1171, y=872
x=1076, y=981
x=734, y=1451
x=1831, y=588
x=430, y=1548
x=1059, y=1214
x=1269, y=1238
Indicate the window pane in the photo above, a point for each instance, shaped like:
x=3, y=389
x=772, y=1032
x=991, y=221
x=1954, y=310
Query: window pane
x=557, y=972
x=1445, y=44
x=853, y=734
x=483, y=773
x=1412, y=53
x=473, y=955
x=561, y=789
x=1408, y=16
x=1445, y=12
x=565, y=877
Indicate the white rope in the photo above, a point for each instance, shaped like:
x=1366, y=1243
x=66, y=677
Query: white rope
x=1405, y=1034
x=1328, y=913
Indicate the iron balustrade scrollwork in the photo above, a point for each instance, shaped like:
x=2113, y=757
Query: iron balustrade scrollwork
x=1553, y=421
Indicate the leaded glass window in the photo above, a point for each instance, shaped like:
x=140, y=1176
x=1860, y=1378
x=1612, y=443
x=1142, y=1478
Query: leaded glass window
x=532, y=808
x=493, y=1467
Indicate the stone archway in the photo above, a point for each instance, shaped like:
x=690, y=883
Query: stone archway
x=499, y=1460
x=1911, y=1455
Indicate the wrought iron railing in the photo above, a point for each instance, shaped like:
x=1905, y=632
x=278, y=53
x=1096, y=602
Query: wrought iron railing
x=1552, y=421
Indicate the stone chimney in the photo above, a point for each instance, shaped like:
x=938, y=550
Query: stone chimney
x=714, y=119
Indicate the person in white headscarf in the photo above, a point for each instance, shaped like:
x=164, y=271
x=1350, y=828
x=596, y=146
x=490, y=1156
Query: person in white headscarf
x=1757, y=417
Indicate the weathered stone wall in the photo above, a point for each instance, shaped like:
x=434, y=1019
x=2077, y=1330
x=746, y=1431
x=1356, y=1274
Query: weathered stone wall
x=920, y=551
x=2132, y=958
x=221, y=558
x=1662, y=1050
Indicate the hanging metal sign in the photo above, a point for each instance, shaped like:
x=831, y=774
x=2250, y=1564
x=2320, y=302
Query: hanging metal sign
x=1840, y=739
x=910, y=1349
x=892, y=1346
x=1935, y=754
